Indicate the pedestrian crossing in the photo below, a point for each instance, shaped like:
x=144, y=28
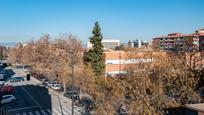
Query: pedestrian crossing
x=47, y=112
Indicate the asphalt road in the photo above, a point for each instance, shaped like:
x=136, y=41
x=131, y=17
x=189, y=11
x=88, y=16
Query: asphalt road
x=32, y=98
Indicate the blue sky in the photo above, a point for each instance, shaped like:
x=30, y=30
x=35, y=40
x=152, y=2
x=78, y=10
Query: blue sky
x=22, y=20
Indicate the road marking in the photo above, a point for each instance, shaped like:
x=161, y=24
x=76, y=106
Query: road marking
x=24, y=113
x=49, y=111
x=31, y=107
x=37, y=113
x=30, y=113
x=44, y=113
x=18, y=114
x=32, y=98
x=56, y=111
x=67, y=111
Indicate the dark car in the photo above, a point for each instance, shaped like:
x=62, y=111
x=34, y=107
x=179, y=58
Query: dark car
x=72, y=95
x=73, y=89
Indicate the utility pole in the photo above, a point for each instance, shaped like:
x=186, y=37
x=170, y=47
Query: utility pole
x=71, y=56
x=73, y=50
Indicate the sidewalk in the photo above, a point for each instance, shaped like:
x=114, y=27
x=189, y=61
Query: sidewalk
x=51, y=91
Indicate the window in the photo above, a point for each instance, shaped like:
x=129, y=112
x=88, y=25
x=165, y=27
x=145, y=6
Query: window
x=195, y=42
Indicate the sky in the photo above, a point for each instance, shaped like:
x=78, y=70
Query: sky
x=23, y=20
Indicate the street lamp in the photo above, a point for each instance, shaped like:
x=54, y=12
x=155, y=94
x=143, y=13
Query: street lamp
x=72, y=72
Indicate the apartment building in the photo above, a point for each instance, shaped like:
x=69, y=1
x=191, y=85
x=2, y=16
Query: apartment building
x=137, y=43
x=180, y=42
x=118, y=62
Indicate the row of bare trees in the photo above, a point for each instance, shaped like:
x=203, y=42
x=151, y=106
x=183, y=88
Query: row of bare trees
x=163, y=83
x=50, y=57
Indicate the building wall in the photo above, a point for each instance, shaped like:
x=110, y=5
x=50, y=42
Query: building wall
x=116, y=67
x=113, y=62
x=118, y=62
x=156, y=43
x=110, y=45
x=107, y=44
x=115, y=55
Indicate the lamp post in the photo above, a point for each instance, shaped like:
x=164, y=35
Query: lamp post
x=72, y=73
x=73, y=49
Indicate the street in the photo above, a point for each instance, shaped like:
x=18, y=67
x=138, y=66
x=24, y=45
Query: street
x=33, y=98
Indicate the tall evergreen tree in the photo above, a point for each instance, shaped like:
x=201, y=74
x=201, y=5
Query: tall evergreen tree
x=95, y=54
x=1, y=53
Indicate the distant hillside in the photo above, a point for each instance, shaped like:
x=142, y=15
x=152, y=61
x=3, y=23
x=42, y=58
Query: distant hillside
x=8, y=44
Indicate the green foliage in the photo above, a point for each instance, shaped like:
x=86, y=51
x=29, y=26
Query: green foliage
x=95, y=55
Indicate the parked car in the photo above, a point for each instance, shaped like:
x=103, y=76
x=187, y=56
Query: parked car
x=72, y=92
x=56, y=86
x=73, y=89
x=44, y=81
x=7, y=99
x=26, y=70
x=50, y=83
x=17, y=79
x=13, y=80
x=8, y=89
x=72, y=95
